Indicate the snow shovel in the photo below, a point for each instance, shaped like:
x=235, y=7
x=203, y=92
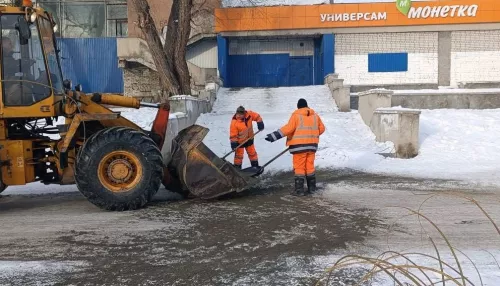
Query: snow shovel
x=224, y=158
x=257, y=171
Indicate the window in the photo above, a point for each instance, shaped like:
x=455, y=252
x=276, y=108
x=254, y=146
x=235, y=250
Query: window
x=23, y=68
x=83, y=20
x=51, y=54
x=86, y=18
x=117, y=20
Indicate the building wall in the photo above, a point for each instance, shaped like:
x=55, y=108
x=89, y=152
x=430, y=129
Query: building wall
x=141, y=82
x=203, y=54
x=203, y=21
x=352, y=54
x=475, y=56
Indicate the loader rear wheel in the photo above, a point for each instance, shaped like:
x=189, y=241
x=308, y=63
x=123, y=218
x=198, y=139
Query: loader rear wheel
x=119, y=169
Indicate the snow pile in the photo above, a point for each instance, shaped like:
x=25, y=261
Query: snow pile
x=39, y=272
x=454, y=144
x=346, y=142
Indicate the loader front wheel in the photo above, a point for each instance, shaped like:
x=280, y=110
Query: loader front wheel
x=119, y=169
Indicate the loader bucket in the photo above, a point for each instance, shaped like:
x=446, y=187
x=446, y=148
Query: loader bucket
x=200, y=171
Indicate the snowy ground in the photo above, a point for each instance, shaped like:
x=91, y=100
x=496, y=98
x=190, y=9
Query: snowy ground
x=455, y=144
x=346, y=141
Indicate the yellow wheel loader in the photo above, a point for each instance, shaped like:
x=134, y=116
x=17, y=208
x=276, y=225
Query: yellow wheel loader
x=115, y=164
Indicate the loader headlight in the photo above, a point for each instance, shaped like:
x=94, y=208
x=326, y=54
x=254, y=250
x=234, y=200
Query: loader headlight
x=33, y=17
x=55, y=28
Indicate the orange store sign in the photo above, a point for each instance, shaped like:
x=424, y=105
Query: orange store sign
x=357, y=15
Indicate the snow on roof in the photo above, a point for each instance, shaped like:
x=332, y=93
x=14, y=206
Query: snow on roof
x=255, y=3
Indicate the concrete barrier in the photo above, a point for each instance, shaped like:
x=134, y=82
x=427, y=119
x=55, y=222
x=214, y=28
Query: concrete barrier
x=371, y=100
x=400, y=126
x=340, y=93
x=184, y=111
x=189, y=105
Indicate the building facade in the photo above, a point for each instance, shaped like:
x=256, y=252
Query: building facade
x=139, y=71
x=431, y=44
x=89, y=19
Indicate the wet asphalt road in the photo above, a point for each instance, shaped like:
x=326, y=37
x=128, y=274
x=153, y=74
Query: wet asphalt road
x=259, y=237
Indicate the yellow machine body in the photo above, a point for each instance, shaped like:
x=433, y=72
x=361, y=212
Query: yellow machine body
x=24, y=157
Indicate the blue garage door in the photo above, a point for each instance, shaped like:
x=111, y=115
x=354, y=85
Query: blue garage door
x=269, y=70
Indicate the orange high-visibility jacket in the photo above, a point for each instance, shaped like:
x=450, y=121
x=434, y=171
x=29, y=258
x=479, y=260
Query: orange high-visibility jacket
x=303, y=131
x=241, y=129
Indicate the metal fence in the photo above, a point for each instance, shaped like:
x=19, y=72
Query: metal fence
x=91, y=62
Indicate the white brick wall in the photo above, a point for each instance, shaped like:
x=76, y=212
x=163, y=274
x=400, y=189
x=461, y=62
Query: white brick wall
x=351, y=57
x=475, y=56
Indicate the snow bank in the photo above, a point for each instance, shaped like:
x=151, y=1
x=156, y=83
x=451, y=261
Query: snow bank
x=454, y=144
x=346, y=142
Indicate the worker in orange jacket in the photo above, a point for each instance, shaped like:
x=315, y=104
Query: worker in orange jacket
x=302, y=132
x=240, y=130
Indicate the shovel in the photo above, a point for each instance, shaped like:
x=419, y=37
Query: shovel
x=223, y=158
x=260, y=170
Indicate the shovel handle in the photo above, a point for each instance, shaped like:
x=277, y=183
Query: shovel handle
x=241, y=144
x=261, y=169
x=276, y=157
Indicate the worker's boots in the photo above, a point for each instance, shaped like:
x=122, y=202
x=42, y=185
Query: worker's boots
x=237, y=167
x=255, y=164
x=311, y=184
x=299, y=187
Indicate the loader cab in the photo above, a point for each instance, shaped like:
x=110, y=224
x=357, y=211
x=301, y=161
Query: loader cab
x=30, y=69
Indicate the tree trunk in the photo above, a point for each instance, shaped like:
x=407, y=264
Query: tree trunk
x=168, y=79
x=178, y=32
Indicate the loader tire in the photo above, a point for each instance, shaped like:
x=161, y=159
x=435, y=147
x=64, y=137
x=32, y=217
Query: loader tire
x=119, y=169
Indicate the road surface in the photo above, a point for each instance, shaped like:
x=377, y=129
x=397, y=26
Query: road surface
x=259, y=237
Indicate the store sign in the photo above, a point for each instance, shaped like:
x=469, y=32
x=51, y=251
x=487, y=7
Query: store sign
x=403, y=6
x=412, y=13
x=374, y=14
x=353, y=17
x=443, y=11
